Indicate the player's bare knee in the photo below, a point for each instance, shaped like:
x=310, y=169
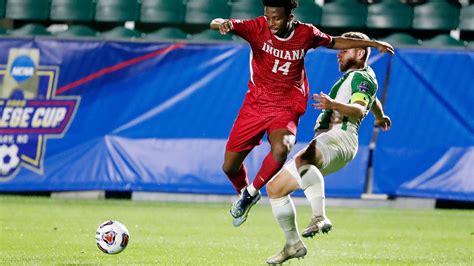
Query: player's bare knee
x=271, y=189
x=225, y=168
x=279, y=154
x=230, y=169
x=274, y=190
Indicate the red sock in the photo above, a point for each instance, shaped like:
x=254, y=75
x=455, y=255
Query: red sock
x=239, y=179
x=269, y=168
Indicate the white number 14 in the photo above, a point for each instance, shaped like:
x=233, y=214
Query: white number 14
x=285, y=68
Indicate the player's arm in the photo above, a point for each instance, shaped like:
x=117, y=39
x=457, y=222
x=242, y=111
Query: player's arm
x=354, y=110
x=381, y=120
x=222, y=25
x=341, y=43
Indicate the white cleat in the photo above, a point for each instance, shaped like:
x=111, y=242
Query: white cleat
x=295, y=251
x=317, y=224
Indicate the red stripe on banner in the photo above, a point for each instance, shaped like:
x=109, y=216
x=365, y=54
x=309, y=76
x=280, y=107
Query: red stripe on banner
x=117, y=67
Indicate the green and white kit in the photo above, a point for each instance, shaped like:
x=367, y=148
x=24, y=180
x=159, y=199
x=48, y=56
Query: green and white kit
x=337, y=135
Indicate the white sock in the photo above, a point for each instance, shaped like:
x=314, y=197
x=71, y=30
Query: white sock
x=312, y=182
x=252, y=190
x=284, y=212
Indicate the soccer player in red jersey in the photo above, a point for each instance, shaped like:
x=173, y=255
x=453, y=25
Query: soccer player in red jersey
x=277, y=95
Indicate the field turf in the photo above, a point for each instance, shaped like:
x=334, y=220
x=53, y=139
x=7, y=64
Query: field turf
x=44, y=231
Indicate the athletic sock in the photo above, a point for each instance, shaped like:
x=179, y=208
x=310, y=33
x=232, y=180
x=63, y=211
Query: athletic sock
x=239, y=179
x=285, y=214
x=269, y=168
x=252, y=190
x=312, y=182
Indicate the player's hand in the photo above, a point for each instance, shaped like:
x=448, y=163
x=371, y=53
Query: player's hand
x=225, y=27
x=384, y=123
x=384, y=47
x=324, y=101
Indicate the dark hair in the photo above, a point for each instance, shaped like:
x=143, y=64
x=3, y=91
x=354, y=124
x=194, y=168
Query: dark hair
x=359, y=35
x=289, y=5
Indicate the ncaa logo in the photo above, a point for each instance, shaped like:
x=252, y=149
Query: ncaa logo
x=22, y=68
x=27, y=122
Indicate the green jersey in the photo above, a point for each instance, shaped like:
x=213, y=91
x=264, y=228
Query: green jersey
x=355, y=85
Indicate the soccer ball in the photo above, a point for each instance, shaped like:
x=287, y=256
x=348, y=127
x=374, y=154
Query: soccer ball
x=112, y=237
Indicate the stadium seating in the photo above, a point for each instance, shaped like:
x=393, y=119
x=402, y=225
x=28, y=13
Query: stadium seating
x=162, y=11
x=443, y=40
x=389, y=15
x=121, y=33
x=436, y=16
x=397, y=39
x=308, y=12
x=3, y=31
x=2, y=8
x=421, y=18
x=27, y=9
x=116, y=10
x=466, y=19
x=344, y=14
x=470, y=45
x=32, y=29
x=72, y=10
x=246, y=9
x=167, y=33
x=203, y=11
x=416, y=2
x=211, y=35
x=77, y=31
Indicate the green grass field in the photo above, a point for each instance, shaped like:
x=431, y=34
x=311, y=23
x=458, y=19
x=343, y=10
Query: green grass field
x=36, y=230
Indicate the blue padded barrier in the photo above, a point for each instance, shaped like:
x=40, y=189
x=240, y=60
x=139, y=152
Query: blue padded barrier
x=156, y=116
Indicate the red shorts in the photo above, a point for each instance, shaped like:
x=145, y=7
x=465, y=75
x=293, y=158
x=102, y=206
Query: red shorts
x=249, y=128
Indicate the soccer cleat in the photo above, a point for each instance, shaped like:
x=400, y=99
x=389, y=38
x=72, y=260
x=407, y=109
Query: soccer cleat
x=241, y=207
x=297, y=250
x=239, y=220
x=317, y=224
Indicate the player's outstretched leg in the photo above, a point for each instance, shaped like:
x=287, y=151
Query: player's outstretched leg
x=284, y=212
x=297, y=250
x=250, y=195
x=312, y=182
x=241, y=207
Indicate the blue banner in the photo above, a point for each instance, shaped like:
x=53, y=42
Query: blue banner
x=429, y=152
x=156, y=116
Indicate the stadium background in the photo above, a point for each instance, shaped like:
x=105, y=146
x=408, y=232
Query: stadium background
x=159, y=93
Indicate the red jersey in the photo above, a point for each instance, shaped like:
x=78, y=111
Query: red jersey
x=277, y=76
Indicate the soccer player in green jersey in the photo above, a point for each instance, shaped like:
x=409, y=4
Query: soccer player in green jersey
x=334, y=145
